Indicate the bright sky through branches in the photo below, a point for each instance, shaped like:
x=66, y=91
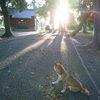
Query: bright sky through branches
x=28, y=1
x=37, y=2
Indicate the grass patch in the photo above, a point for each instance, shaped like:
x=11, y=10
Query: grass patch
x=70, y=31
x=41, y=31
x=2, y=27
x=88, y=31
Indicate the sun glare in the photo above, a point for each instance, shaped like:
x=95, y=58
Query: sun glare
x=28, y=1
x=61, y=15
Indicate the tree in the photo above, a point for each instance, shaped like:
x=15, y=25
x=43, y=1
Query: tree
x=18, y=4
x=95, y=44
x=49, y=6
x=82, y=19
x=85, y=14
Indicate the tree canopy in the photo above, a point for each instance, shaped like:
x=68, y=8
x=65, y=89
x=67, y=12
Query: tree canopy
x=50, y=5
x=5, y=4
x=18, y=4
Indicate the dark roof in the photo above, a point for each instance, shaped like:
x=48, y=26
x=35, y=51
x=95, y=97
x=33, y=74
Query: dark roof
x=27, y=13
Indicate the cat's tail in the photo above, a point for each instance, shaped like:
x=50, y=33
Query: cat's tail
x=85, y=91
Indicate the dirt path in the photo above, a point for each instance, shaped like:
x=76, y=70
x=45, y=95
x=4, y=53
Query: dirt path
x=26, y=64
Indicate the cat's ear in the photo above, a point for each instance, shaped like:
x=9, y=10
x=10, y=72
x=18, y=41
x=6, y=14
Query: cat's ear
x=55, y=63
x=60, y=63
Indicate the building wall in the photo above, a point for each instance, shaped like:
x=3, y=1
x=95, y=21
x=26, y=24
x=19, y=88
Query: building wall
x=22, y=23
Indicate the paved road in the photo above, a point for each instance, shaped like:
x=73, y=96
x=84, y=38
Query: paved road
x=26, y=67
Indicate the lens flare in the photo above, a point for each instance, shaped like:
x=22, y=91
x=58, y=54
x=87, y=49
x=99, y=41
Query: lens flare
x=61, y=15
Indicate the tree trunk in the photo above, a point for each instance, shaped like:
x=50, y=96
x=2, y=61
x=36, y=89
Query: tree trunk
x=84, y=29
x=83, y=21
x=95, y=44
x=77, y=29
x=52, y=14
x=96, y=39
x=8, y=32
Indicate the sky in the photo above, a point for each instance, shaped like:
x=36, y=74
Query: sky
x=38, y=2
x=28, y=1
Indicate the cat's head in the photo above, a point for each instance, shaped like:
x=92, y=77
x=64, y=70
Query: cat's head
x=58, y=64
x=58, y=67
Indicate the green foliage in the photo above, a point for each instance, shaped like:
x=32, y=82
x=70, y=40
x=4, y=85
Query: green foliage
x=50, y=5
x=47, y=7
x=42, y=11
x=73, y=3
x=19, y=4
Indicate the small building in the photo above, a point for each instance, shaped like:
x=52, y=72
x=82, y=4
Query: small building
x=23, y=20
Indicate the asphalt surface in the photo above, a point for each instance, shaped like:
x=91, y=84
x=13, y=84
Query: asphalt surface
x=26, y=67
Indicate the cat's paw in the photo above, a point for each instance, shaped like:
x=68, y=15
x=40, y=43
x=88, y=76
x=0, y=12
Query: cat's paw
x=53, y=82
x=62, y=91
x=69, y=87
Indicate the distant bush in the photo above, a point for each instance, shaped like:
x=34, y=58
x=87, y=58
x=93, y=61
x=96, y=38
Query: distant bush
x=47, y=27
